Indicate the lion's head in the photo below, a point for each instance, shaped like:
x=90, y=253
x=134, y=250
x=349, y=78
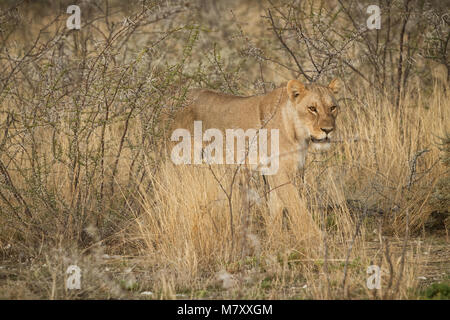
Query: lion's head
x=316, y=109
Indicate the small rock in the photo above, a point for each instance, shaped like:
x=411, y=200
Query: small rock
x=229, y=280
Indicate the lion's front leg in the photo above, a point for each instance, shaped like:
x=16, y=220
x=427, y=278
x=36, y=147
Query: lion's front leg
x=287, y=208
x=282, y=195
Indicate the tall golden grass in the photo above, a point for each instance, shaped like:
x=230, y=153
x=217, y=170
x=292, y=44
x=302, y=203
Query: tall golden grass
x=379, y=175
x=82, y=174
x=350, y=198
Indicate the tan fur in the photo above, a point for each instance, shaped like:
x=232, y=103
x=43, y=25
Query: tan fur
x=287, y=108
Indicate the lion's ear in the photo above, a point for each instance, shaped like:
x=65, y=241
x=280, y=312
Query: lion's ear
x=335, y=85
x=295, y=88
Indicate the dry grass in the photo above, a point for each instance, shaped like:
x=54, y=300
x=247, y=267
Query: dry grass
x=83, y=179
x=367, y=181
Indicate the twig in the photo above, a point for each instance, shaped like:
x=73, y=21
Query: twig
x=280, y=38
x=358, y=227
x=391, y=268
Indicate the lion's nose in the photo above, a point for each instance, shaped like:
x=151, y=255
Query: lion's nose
x=327, y=130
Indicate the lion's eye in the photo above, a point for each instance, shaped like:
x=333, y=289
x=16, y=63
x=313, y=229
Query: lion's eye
x=312, y=109
x=333, y=108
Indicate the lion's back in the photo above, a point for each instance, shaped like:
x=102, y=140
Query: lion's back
x=221, y=110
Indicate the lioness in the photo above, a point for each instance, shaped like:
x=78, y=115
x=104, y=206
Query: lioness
x=303, y=114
